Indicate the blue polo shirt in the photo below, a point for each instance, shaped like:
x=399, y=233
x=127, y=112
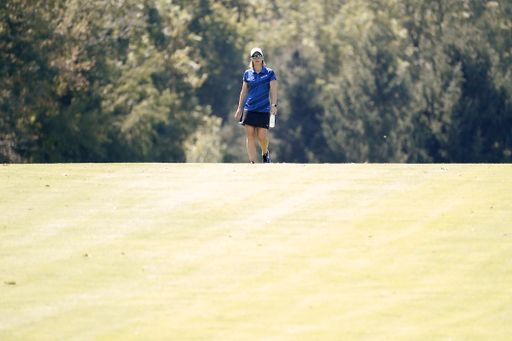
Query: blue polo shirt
x=259, y=87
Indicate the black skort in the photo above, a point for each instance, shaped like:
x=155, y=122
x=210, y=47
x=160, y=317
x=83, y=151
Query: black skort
x=255, y=119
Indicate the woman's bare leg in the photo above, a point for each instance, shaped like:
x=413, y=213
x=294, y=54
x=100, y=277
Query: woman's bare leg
x=251, y=142
x=263, y=140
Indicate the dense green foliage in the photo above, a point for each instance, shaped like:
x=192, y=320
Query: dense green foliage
x=158, y=80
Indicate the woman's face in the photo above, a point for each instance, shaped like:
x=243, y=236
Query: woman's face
x=257, y=58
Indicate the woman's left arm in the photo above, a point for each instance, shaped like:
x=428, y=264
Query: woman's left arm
x=273, y=96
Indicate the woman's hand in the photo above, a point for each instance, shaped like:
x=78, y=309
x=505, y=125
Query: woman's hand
x=237, y=114
x=273, y=110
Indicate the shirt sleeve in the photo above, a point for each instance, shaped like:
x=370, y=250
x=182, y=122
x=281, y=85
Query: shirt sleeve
x=272, y=76
x=245, y=77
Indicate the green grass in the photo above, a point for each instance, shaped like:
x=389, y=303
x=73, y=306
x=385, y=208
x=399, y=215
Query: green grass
x=255, y=252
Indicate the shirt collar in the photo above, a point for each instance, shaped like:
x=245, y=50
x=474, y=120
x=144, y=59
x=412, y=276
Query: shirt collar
x=263, y=70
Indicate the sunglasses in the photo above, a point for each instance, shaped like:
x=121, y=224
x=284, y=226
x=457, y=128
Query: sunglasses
x=259, y=56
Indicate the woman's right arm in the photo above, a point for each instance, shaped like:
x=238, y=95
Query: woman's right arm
x=243, y=96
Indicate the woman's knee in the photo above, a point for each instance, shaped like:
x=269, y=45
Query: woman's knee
x=251, y=135
x=262, y=136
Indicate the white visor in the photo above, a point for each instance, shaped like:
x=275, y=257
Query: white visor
x=256, y=49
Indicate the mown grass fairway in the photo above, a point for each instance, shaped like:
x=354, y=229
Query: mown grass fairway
x=255, y=252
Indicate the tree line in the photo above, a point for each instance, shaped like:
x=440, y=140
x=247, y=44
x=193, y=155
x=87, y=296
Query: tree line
x=158, y=80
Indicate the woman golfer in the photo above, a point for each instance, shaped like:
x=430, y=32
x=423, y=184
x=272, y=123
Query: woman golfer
x=254, y=108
